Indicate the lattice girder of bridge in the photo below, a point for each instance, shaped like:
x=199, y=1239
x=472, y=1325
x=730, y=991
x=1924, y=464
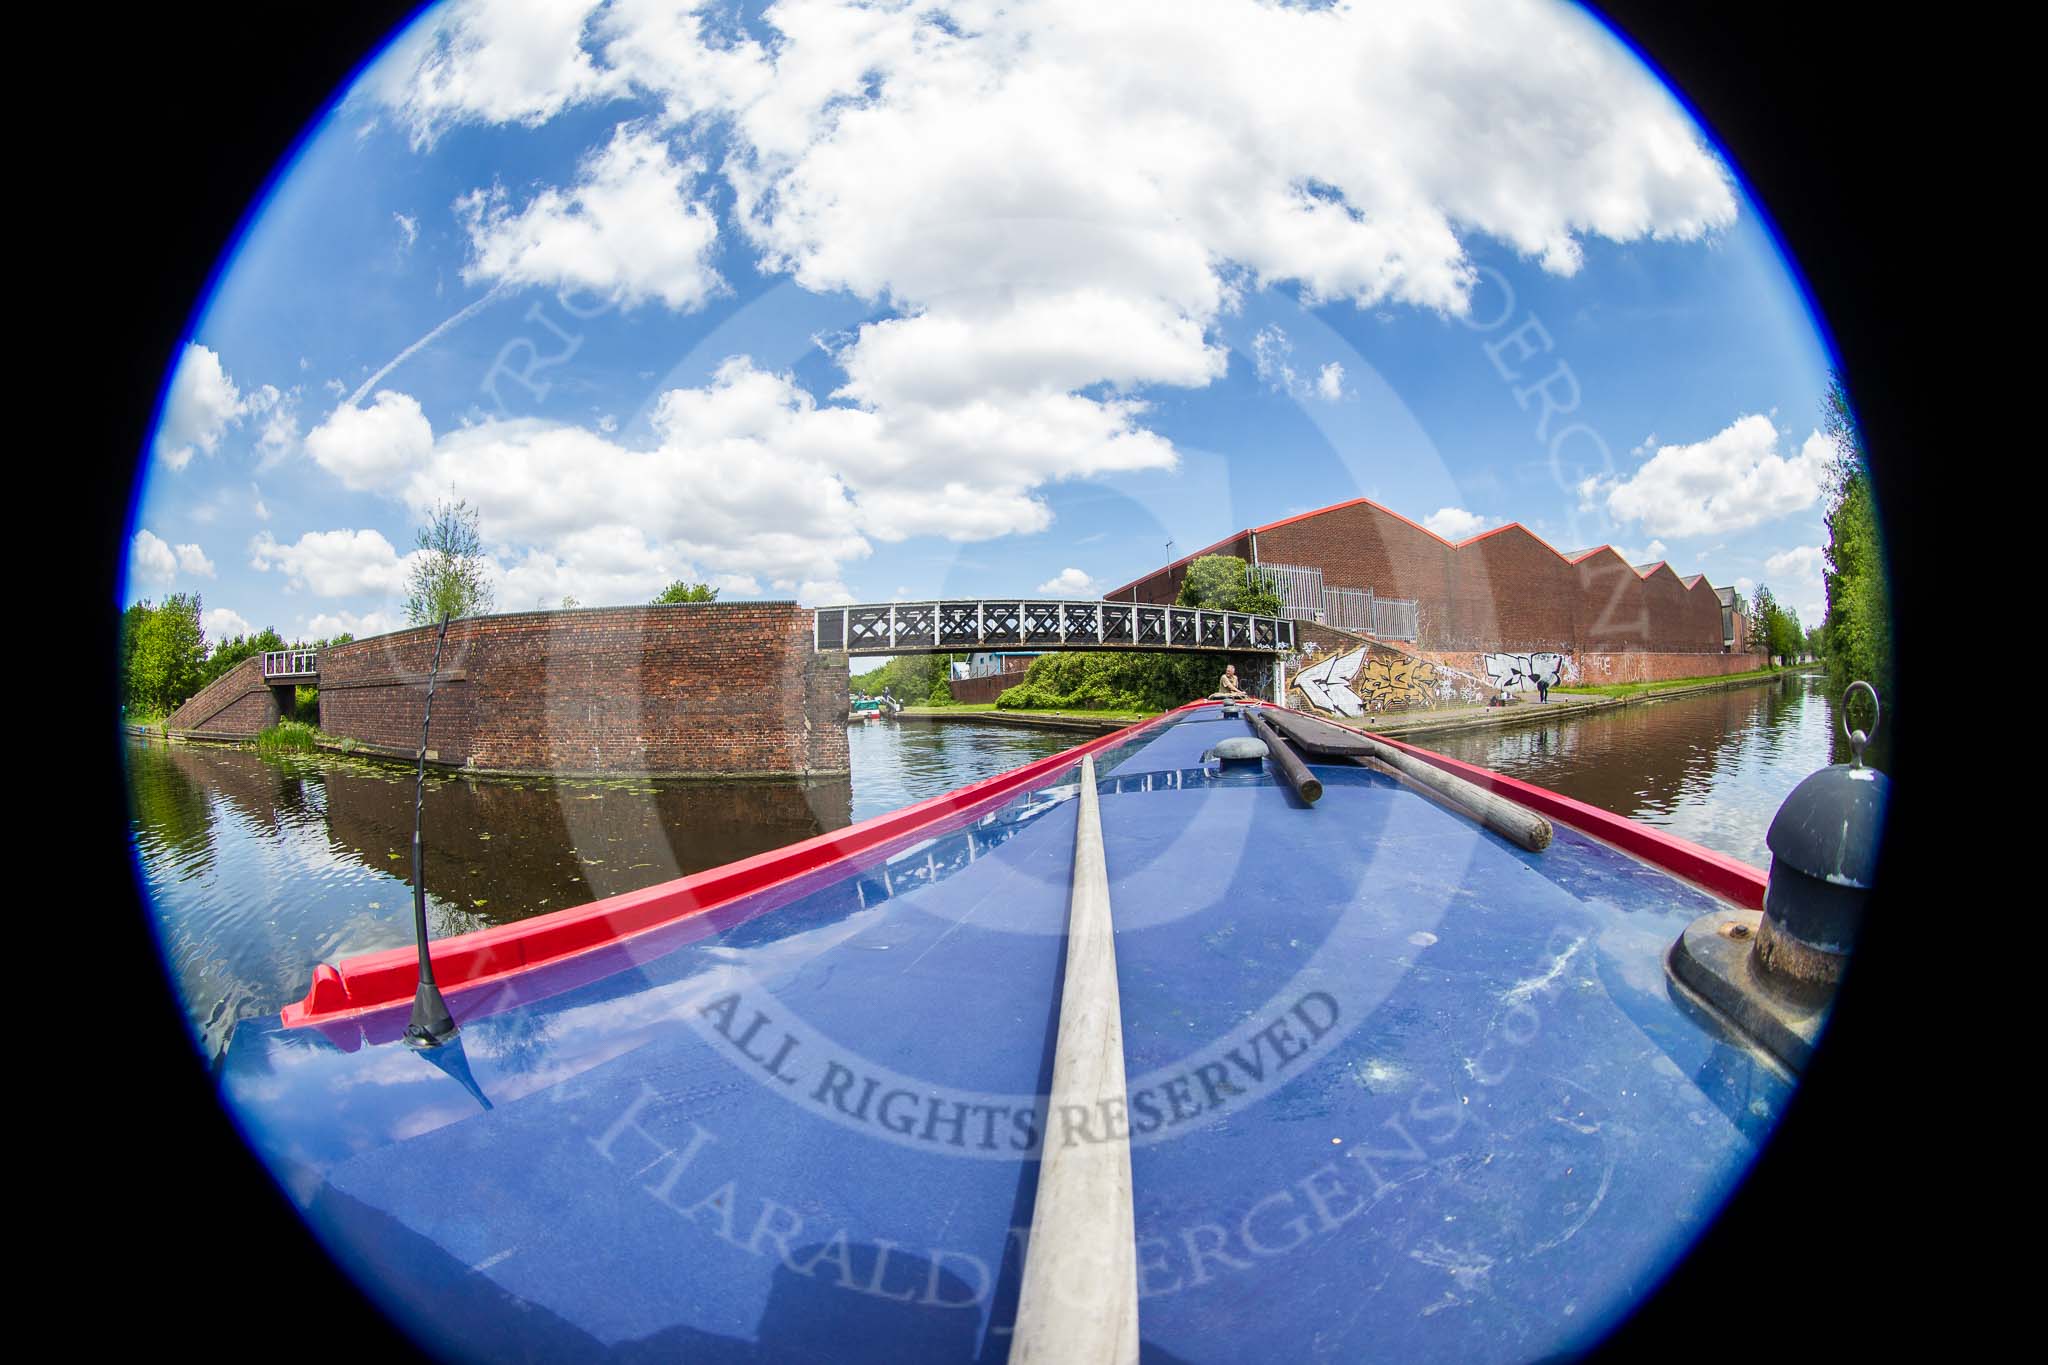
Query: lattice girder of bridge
x=1019, y=623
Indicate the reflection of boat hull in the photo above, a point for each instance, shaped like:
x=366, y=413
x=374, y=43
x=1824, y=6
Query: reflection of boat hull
x=799, y=1101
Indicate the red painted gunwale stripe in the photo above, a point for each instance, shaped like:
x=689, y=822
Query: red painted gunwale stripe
x=378, y=981
x=1717, y=872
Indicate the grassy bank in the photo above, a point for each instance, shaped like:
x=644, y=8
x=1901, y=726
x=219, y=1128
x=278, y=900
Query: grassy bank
x=288, y=737
x=1671, y=684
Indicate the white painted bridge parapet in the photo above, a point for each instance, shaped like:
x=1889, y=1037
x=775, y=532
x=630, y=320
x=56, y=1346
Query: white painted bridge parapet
x=279, y=664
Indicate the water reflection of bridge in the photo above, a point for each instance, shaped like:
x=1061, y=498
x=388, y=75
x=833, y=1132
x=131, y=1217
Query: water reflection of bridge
x=997, y=623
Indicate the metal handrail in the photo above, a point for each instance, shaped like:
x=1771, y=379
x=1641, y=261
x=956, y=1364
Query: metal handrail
x=282, y=663
x=969, y=625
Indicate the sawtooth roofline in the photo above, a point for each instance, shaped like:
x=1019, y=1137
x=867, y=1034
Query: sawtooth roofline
x=1645, y=571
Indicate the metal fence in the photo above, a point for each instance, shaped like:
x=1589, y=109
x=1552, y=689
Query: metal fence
x=1395, y=619
x=290, y=663
x=1361, y=610
x=1348, y=608
x=1301, y=590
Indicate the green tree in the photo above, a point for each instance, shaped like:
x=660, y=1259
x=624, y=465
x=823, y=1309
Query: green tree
x=910, y=678
x=1227, y=583
x=681, y=591
x=131, y=635
x=169, y=655
x=228, y=653
x=1858, y=625
x=1787, y=637
x=450, y=578
x=1757, y=613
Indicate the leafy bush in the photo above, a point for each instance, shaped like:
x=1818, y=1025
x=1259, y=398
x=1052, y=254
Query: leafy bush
x=1117, y=681
x=1227, y=583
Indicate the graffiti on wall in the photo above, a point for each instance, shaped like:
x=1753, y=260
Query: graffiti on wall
x=1327, y=685
x=1363, y=680
x=1398, y=680
x=1516, y=670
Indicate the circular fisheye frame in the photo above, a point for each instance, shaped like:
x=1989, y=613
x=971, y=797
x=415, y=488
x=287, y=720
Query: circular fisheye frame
x=830, y=681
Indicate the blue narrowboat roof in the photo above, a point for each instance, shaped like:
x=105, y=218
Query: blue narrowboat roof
x=1396, y=1087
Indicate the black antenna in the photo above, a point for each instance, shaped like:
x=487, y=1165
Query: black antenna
x=431, y=1024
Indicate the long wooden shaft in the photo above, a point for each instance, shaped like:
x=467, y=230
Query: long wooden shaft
x=1306, y=784
x=1505, y=818
x=1078, y=1304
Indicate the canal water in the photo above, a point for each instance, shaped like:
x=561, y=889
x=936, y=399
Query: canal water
x=259, y=868
x=1712, y=767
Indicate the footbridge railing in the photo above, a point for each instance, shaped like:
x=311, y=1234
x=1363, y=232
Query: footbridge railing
x=291, y=663
x=1008, y=623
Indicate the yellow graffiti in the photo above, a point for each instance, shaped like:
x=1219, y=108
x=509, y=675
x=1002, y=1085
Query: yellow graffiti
x=1396, y=680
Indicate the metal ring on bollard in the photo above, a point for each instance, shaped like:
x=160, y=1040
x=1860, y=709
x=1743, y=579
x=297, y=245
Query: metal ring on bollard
x=1858, y=738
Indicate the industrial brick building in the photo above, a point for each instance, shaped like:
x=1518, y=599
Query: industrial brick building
x=1369, y=572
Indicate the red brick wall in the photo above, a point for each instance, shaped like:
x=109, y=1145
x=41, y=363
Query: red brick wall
x=1363, y=546
x=236, y=705
x=1614, y=613
x=1643, y=666
x=711, y=688
x=984, y=689
x=1507, y=587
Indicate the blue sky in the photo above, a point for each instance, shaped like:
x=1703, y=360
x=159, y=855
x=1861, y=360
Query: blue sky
x=856, y=303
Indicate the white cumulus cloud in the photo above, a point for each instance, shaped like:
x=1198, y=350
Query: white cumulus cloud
x=221, y=623
x=370, y=447
x=490, y=61
x=627, y=229
x=1070, y=583
x=1734, y=479
x=341, y=563
x=1796, y=576
x=192, y=559
x=202, y=404
x=1455, y=523
x=151, y=560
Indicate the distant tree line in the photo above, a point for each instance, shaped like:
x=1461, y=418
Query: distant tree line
x=1774, y=629
x=1856, y=636
x=913, y=679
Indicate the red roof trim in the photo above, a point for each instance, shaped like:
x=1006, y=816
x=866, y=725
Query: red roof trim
x=1578, y=558
x=1111, y=595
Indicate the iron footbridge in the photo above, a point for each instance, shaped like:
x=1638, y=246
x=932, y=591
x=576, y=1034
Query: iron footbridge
x=997, y=623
